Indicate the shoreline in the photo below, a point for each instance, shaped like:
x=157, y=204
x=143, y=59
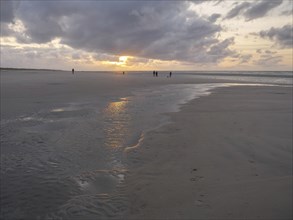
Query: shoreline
x=226, y=155
x=73, y=129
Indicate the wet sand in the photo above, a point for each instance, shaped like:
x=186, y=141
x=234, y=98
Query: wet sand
x=84, y=146
x=63, y=138
x=224, y=156
x=25, y=92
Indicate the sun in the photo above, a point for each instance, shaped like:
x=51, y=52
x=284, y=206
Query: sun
x=123, y=59
x=121, y=62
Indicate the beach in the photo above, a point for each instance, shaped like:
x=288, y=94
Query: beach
x=146, y=110
x=225, y=156
x=104, y=145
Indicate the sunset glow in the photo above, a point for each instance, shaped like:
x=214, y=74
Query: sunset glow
x=123, y=59
x=200, y=35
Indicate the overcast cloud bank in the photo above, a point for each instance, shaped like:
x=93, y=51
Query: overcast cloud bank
x=145, y=30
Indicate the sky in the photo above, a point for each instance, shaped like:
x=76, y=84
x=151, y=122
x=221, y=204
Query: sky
x=147, y=35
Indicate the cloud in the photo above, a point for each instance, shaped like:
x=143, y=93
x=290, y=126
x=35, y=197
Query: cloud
x=259, y=51
x=217, y=2
x=270, y=52
x=286, y=8
x=282, y=36
x=7, y=16
x=214, y=17
x=6, y=11
x=287, y=12
x=221, y=50
x=51, y=57
x=260, y=9
x=237, y=10
x=5, y=30
x=151, y=30
x=244, y=58
x=251, y=11
x=269, y=60
x=266, y=51
x=106, y=57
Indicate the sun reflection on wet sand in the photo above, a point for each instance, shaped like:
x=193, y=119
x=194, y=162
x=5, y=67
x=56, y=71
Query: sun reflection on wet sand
x=115, y=108
x=117, y=120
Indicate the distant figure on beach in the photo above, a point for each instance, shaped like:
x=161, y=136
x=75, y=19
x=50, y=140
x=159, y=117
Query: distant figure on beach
x=170, y=74
x=123, y=72
x=72, y=71
x=156, y=73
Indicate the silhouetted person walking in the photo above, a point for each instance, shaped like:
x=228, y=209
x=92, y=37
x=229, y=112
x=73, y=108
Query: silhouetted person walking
x=72, y=71
x=156, y=73
x=170, y=74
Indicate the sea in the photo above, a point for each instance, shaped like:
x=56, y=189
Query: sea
x=66, y=138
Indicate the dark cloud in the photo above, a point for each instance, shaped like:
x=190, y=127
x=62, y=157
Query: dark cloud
x=147, y=29
x=282, y=36
x=6, y=11
x=221, y=50
x=253, y=10
x=43, y=20
x=214, y=17
x=237, y=10
x=261, y=8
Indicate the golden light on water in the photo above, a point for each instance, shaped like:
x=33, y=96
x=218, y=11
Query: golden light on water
x=117, y=118
x=115, y=108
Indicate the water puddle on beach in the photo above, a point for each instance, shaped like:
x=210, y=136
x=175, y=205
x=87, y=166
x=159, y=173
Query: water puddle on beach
x=69, y=162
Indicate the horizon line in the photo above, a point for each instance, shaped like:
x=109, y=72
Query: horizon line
x=44, y=69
